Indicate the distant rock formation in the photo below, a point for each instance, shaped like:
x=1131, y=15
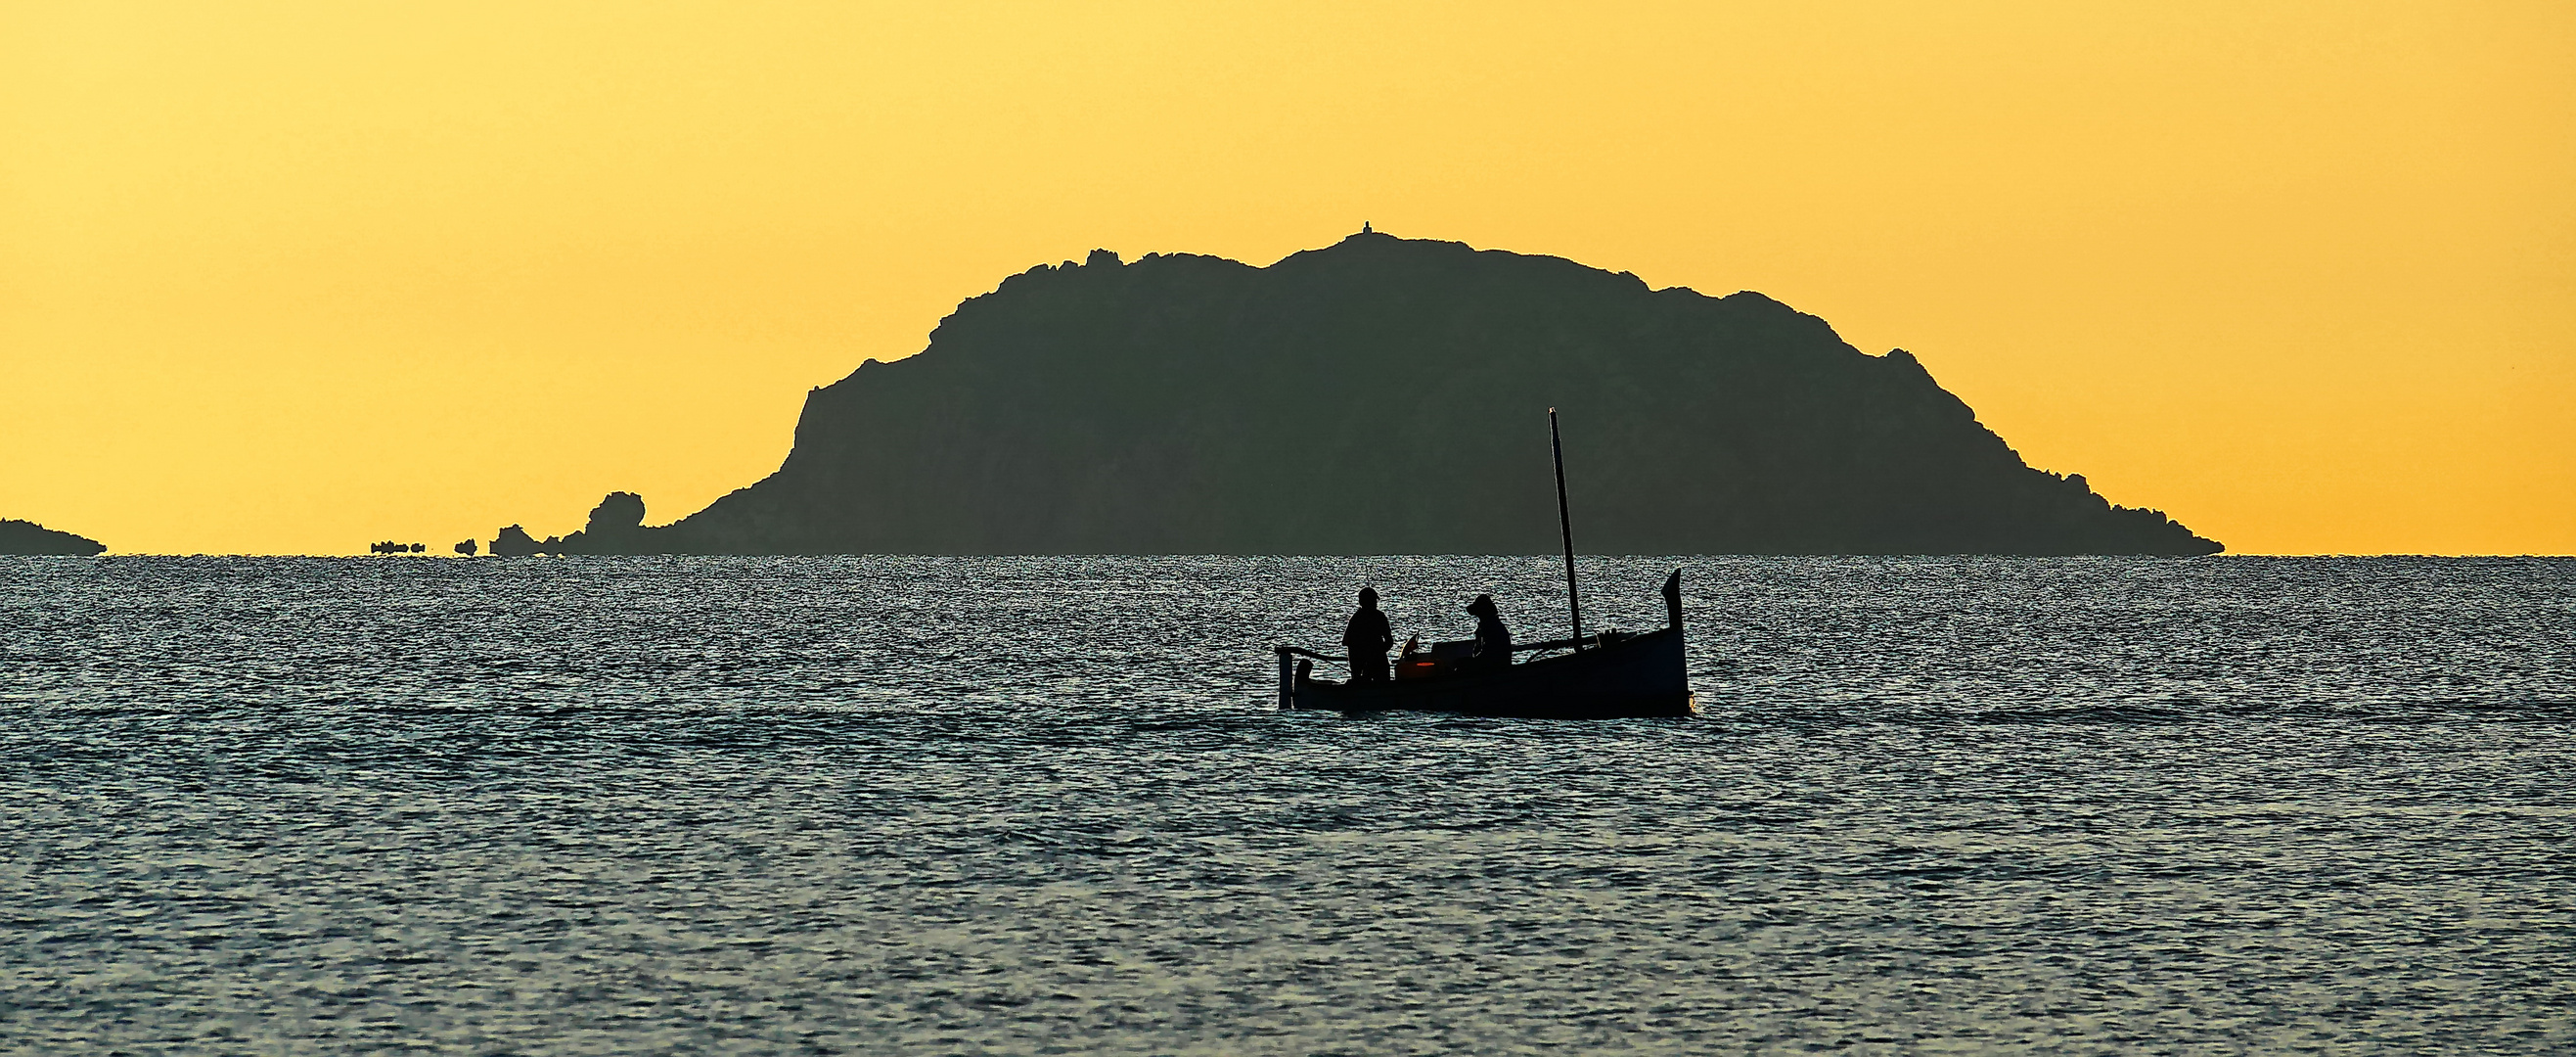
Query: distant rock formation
x=514, y=542
x=616, y=526
x=1388, y=396
x=27, y=537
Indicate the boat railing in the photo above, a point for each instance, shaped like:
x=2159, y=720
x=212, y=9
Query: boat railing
x=1590, y=640
x=1598, y=639
x=1603, y=639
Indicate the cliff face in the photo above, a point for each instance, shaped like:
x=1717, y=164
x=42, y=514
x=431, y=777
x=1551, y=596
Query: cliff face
x=1385, y=395
x=27, y=537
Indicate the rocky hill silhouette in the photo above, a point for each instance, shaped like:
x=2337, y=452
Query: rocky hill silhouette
x=1389, y=396
x=27, y=537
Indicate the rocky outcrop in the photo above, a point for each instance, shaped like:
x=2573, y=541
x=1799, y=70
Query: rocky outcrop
x=27, y=537
x=616, y=526
x=514, y=542
x=1386, y=395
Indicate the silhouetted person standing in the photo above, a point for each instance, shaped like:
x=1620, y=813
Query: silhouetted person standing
x=1367, y=639
x=1493, y=640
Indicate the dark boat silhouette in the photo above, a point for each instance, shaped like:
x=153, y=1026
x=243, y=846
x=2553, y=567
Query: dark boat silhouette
x=1612, y=675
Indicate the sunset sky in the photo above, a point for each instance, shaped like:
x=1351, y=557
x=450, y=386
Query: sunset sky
x=291, y=278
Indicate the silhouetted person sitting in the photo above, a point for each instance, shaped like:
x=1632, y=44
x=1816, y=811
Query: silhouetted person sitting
x=1493, y=640
x=1367, y=639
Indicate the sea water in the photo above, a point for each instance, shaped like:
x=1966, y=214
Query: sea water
x=1046, y=805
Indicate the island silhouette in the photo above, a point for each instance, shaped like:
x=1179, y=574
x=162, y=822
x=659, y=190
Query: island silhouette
x=27, y=537
x=1384, y=396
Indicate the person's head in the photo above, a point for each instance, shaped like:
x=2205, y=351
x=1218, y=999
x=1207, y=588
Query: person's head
x=1483, y=606
x=1368, y=598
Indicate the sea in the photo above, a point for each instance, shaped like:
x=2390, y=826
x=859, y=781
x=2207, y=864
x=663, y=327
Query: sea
x=1048, y=805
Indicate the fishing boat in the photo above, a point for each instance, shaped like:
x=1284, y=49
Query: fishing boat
x=1611, y=675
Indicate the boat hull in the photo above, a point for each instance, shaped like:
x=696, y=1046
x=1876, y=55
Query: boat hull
x=1641, y=676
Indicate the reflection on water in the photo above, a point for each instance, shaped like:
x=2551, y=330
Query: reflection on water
x=1040, y=805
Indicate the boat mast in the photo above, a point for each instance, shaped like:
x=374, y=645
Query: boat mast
x=1565, y=528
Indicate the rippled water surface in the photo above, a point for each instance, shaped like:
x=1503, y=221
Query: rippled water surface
x=1044, y=805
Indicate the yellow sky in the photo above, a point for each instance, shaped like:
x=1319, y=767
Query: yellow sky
x=295, y=278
